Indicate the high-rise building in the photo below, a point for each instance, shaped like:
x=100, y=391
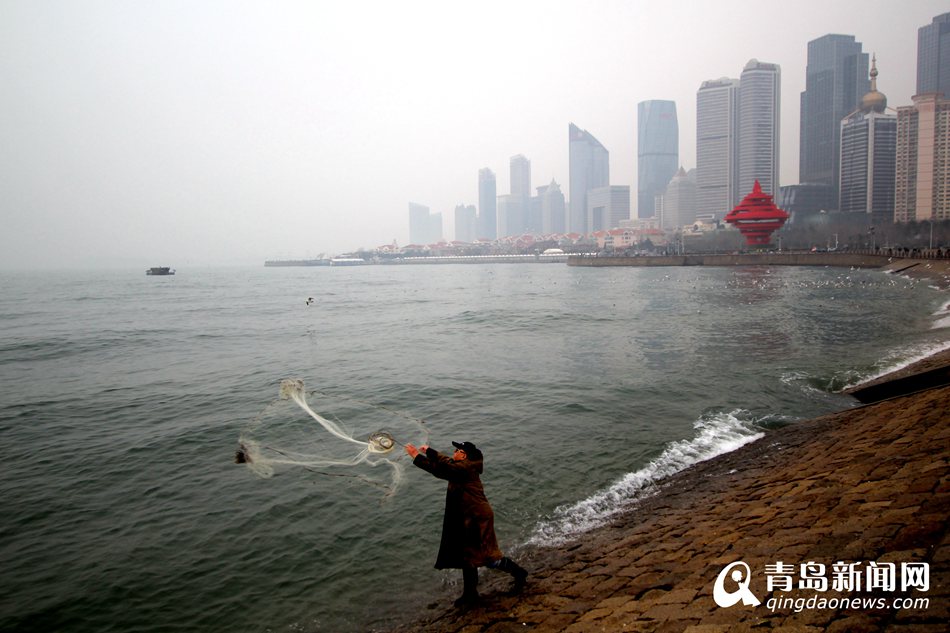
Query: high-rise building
x=520, y=181
x=657, y=151
x=933, y=56
x=553, y=209
x=520, y=171
x=435, y=228
x=806, y=200
x=759, y=118
x=717, y=120
x=532, y=220
x=465, y=223
x=418, y=223
x=868, y=155
x=424, y=227
x=836, y=77
x=487, y=209
x=679, y=200
x=922, y=182
x=589, y=168
x=607, y=207
x=511, y=215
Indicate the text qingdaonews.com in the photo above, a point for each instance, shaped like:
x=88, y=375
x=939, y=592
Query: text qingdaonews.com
x=815, y=602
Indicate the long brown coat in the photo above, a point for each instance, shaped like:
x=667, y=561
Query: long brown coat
x=468, y=527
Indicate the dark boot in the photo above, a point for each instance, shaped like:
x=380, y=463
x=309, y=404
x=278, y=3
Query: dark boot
x=519, y=573
x=470, y=592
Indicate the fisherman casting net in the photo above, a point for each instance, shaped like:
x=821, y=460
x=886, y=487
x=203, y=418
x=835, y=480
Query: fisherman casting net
x=279, y=437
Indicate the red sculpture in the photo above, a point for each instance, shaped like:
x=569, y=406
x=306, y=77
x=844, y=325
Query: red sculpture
x=757, y=217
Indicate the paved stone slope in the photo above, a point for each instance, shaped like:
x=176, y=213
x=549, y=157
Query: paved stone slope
x=866, y=484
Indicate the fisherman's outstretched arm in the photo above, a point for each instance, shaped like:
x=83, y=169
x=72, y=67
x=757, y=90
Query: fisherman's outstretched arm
x=436, y=463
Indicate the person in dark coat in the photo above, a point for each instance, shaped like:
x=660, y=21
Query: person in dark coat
x=468, y=526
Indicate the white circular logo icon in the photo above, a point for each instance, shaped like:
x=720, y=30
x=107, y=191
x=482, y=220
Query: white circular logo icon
x=728, y=598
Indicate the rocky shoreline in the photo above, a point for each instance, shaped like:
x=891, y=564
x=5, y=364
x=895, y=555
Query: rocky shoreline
x=865, y=485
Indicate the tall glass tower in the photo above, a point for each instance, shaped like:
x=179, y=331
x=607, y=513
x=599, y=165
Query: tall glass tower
x=520, y=179
x=589, y=169
x=487, y=205
x=657, y=151
x=933, y=56
x=836, y=78
x=717, y=134
x=759, y=118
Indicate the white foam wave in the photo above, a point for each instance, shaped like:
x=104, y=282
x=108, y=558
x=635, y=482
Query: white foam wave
x=899, y=359
x=717, y=434
x=942, y=315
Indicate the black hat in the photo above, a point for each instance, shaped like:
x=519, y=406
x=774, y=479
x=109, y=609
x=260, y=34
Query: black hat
x=470, y=449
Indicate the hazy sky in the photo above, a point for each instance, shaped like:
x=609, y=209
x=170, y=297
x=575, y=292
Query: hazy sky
x=193, y=132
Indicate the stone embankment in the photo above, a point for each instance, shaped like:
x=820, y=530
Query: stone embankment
x=857, y=260
x=869, y=484
x=937, y=270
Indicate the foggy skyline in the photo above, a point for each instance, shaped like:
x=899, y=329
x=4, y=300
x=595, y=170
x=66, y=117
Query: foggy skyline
x=187, y=134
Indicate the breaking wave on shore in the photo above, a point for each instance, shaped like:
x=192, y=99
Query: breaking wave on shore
x=941, y=317
x=901, y=358
x=717, y=433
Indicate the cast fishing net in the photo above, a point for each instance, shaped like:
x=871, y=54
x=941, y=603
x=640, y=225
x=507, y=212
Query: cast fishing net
x=280, y=437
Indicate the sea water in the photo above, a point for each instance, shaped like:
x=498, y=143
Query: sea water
x=122, y=398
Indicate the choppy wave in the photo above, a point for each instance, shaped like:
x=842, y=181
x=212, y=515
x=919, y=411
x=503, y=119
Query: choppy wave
x=838, y=381
x=942, y=317
x=899, y=359
x=717, y=433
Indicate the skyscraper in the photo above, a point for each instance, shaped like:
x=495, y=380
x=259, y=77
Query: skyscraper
x=487, y=209
x=759, y=118
x=532, y=219
x=607, y=206
x=418, y=223
x=553, y=209
x=520, y=171
x=424, y=227
x=836, y=77
x=716, y=146
x=806, y=200
x=520, y=179
x=511, y=215
x=657, y=151
x=679, y=200
x=922, y=182
x=933, y=56
x=465, y=223
x=589, y=168
x=868, y=153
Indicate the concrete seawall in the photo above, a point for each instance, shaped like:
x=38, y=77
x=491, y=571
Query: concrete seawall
x=857, y=260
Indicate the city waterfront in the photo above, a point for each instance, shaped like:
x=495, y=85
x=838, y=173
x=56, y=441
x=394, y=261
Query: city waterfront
x=124, y=398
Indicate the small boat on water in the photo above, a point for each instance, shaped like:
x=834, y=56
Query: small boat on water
x=159, y=270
